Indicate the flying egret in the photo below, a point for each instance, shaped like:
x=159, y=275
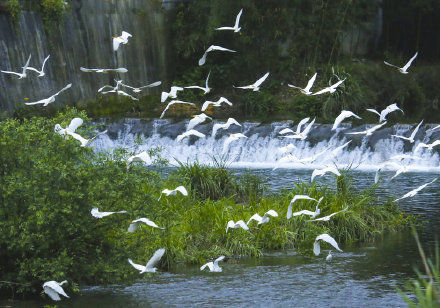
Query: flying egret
x=53, y=289
x=301, y=135
x=113, y=88
x=298, y=128
x=213, y=266
x=191, y=132
x=85, y=142
x=435, y=128
x=321, y=172
x=264, y=219
x=369, y=131
x=74, y=124
x=196, y=120
x=286, y=149
x=327, y=218
x=306, y=90
x=171, y=94
x=342, y=116
x=104, y=70
x=235, y=225
x=41, y=73
x=97, y=214
x=301, y=197
x=139, y=89
x=413, y=134
x=216, y=103
x=403, y=70
x=232, y=137
x=236, y=27
x=400, y=168
x=226, y=125
x=202, y=60
x=428, y=146
x=205, y=89
x=172, y=103
x=326, y=238
x=330, y=89
x=329, y=256
x=414, y=192
x=141, y=157
x=123, y=39
x=50, y=99
x=137, y=222
x=23, y=73
x=256, y=85
x=382, y=115
x=173, y=192
x=120, y=92
x=149, y=268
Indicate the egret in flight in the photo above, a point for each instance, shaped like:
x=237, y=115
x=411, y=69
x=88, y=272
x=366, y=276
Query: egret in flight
x=97, y=214
x=231, y=138
x=172, y=103
x=302, y=197
x=256, y=85
x=301, y=135
x=226, y=125
x=23, y=71
x=306, y=90
x=341, y=117
x=264, y=219
x=428, y=146
x=382, y=115
x=330, y=89
x=212, y=48
x=321, y=172
x=413, y=134
x=414, y=192
x=404, y=69
x=123, y=39
x=53, y=289
x=50, y=99
x=171, y=94
x=326, y=238
x=216, y=103
x=85, y=142
x=213, y=266
x=137, y=222
x=41, y=73
x=196, y=120
x=74, y=124
x=369, y=131
x=142, y=157
x=236, y=27
x=205, y=89
x=234, y=225
x=139, y=89
x=191, y=132
x=327, y=218
x=103, y=70
x=149, y=268
x=173, y=192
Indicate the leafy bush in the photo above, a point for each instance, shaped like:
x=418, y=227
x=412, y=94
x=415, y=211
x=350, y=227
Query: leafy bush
x=14, y=8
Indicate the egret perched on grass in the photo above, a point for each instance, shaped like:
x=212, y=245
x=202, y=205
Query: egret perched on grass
x=173, y=192
x=171, y=94
x=137, y=222
x=141, y=157
x=330, y=89
x=205, y=89
x=234, y=225
x=53, y=289
x=306, y=90
x=302, y=197
x=23, y=73
x=326, y=238
x=123, y=39
x=413, y=134
x=414, y=192
x=327, y=218
x=103, y=70
x=41, y=72
x=97, y=214
x=236, y=27
x=172, y=103
x=202, y=60
x=342, y=116
x=226, y=125
x=213, y=266
x=216, y=103
x=404, y=69
x=369, y=131
x=191, y=132
x=50, y=99
x=149, y=268
x=256, y=85
x=264, y=219
x=196, y=120
x=321, y=172
x=383, y=114
x=139, y=89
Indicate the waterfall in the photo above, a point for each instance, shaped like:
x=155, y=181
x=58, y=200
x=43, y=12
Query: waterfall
x=260, y=149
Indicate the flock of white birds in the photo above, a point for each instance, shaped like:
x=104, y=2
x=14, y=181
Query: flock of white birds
x=54, y=289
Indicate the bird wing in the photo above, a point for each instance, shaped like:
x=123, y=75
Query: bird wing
x=33, y=69
x=327, y=238
x=78, y=137
x=242, y=224
x=225, y=28
x=151, y=85
x=146, y=221
x=155, y=258
x=308, y=127
x=44, y=63
x=310, y=83
x=334, y=86
x=51, y=292
x=407, y=65
x=292, y=86
x=74, y=124
x=271, y=213
x=237, y=19
x=221, y=258
x=219, y=48
x=24, y=68
x=389, y=64
x=285, y=131
x=415, y=131
x=304, y=212
x=210, y=265
x=374, y=111
x=255, y=217
x=224, y=100
x=206, y=82
x=125, y=35
x=196, y=133
x=136, y=266
x=317, y=172
x=435, y=128
x=116, y=42
x=206, y=105
x=202, y=60
x=245, y=87
x=87, y=70
x=339, y=119
x=302, y=197
x=164, y=96
x=261, y=80
x=195, y=121
x=325, y=90
x=9, y=72
x=182, y=189
x=401, y=137
x=374, y=128
x=300, y=124
x=316, y=248
x=63, y=89
x=42, y=101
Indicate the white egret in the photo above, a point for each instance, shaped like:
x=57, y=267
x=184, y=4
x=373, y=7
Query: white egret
x=326, y=238
x=205, y=89
x=236, y=27
x=327, y=218
x=50, y=99
x=53, y=289
x=120, y=92
x=123, y=39
x=232, y=137
x=85, y=142
x=330, y=89
x=306, y=90
x=301, y=135
x=171, y=94
x=74, y=124
x=414, y=192
x=172, y=103
x=235, y=225
x=383, y=114
x=149, y=268
x=369, y=131
x=321, y=172
x=137, y=222
x=196, y=120
x=264, y=219
x=413, y=134
x=256, y=85
x=97, y=214
x=342, y=116
x=168, y=192
x=405, y=68
x=329, y=256
x=115, y=88
x=213, y=266
x=212, y=48
x=435, y=128
x=41, y=73
x=141, y=157
x=428, y=146
x=23, y=73
x=216, y=103
x=139, y=89
x=301, y=197
x=191, y=132
x=103, y=70
x=226, y=125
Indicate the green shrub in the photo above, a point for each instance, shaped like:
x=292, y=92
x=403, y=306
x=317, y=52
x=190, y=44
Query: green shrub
x=14, y=8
